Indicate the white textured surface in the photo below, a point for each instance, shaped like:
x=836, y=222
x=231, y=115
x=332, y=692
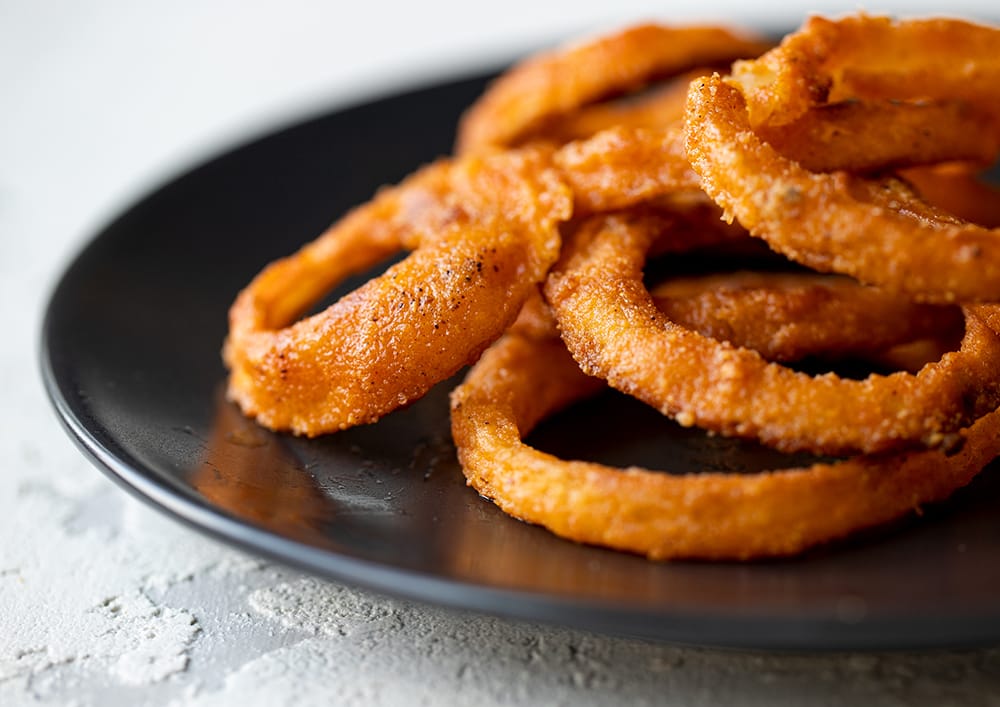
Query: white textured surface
x=104, y=602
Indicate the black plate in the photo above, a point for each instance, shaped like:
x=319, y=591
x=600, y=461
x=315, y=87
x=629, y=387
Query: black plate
x=131, y=361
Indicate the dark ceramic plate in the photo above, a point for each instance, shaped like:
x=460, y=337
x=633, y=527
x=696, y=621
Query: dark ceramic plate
x=131, y=360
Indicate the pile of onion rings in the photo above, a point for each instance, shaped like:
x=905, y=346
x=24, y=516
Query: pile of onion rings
x=829, y=185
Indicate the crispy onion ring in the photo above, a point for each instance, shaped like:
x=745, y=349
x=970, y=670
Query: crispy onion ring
x=853, y=136
x=558, y=82
x=901, y=93
x=620, y=167
x=876, y=230
x=614, y=331
x=661, y=106
x=792, y=316
x=484, y=231
x=872, y=58
x=590, y=130
x=521, y=380
x=788, y=316
x=302, y=377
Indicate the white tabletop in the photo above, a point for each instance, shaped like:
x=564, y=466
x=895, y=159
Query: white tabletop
x=105, y=602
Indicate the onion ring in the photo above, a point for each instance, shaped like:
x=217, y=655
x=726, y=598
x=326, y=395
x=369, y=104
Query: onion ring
x=872, y=58
x=614, y=331
x=658, y=107
x=876, y=230
x=558, y=82
x=483, y=230
x=585, y=142
x=520, y=380
x=788, y=316
x=933, y=82
x=621, y=167
x=852, y=136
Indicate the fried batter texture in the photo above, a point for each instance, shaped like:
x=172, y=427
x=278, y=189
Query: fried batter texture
x=873, y=58
x=483, y=233
x=614, y=331
x=556, y=83
x=551, y=254
x=520, y=381
x=790, y=316
x=877, y=229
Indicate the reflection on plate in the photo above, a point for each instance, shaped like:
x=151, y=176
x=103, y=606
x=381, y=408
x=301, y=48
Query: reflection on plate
x=131, y=360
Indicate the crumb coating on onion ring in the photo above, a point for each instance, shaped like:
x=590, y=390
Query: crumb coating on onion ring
x=877, y=230
x=483, y=230
x=558, y=82
x=871, y=58
x=622, y=167
x=521, y=380
x=612, y=327
x=591, y=142
x=789, y=316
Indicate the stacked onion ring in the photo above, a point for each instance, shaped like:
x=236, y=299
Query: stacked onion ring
x=843, y=150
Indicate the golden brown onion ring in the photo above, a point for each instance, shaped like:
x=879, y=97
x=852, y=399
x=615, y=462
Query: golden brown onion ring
x=614, y=331
x=899, y=93
x=560, y=81
x=787, y=316
x=854, y=136
x=484, y=231
x=872, y=58
x=620, y=167
x=521, y=380
x=659, y=107
x=876, y=230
